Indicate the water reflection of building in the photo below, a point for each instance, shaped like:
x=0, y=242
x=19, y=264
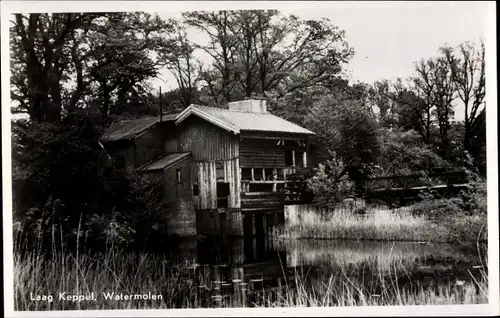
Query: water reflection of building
x=243, y=271
x=250, y=259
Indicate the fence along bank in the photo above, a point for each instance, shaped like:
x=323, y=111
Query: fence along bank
x=227, y=170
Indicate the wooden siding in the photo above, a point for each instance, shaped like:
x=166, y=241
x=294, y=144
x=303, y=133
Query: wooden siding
x=183, y=218
x=125, y=149
x=170, y=145
x=148, y=146
x=207, y=183
x=206, y=141
x=261, y=153
x=262, y=201
x=214, y=222
x=265, y=153
x=169, y=137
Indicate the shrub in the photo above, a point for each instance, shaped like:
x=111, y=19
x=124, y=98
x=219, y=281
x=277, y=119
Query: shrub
x=437, y=208
x=330, y=184
x=130, y=212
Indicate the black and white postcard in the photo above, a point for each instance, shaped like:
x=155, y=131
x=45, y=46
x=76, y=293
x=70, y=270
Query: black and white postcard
x=249, y=158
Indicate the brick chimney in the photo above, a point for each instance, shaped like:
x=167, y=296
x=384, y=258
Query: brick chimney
x=249, y=106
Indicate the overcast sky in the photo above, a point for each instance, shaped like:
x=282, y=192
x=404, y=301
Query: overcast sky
x=387, y=37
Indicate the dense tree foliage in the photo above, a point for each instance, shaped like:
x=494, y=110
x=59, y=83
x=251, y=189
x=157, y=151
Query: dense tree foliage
x=74, y=73
x=65, y=62
x=343, y=124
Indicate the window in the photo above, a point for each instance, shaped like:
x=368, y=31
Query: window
x=196, y=189
x=299, y=159
x=289, y=158
x=179, y=176
x=246, y=173
x=258, y=174
x=222, y=194
x=219, y=170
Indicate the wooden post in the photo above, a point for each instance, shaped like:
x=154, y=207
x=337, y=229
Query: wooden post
x=304, y=159
x=161, y=107
x=263, y=174
x=253, y=178
x=264, y=225
x=293, y=158
x=284, y=174
x=253, y=224
x=264, y=222
x=275, y=177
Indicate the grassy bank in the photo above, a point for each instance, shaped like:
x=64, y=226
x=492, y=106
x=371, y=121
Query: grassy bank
x=413, y=223
x=127, y=273
x=181, y=286
x=345, y=289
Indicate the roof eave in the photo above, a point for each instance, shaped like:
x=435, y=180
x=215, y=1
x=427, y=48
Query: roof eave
x=193, y=110
x=179, y=159
x=307, y=132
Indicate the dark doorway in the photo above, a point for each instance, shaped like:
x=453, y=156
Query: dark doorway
x=222, y=194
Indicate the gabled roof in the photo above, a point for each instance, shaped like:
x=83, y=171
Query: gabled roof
x=165, y=162
x=236, y=121
x=129, y=129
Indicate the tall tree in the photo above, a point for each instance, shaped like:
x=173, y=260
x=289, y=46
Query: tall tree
x=343, y=125
x=424, y=85
x=258, y=52
x=39, y=59
x=184, y=66
x=62, y=62
x=221, y=47
x=444, y=94
x=468, y=72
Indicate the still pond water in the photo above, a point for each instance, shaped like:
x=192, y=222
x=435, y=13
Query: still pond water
x=258, y=272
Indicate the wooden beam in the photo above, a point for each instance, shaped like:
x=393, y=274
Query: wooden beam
x=263, y=181
x=302, y=138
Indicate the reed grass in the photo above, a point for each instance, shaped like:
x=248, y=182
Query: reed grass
x=182, y=286
x=133, y=274
x=343, y=290
x=185, y=284
x=377, y=224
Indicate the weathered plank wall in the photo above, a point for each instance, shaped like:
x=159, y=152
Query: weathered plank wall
x=170, y=145
x=207, y=222
x=261, y=151
x=148, y=146
x=182, y=221
x=207, y=182
x=209, y=146
x=206, y=141
x=125, y=149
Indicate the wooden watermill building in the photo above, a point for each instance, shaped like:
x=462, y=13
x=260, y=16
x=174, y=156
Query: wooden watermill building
x=228, y=170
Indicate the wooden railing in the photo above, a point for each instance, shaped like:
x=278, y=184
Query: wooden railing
x=289, y=194
x=262, y=200
x=415, y=181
